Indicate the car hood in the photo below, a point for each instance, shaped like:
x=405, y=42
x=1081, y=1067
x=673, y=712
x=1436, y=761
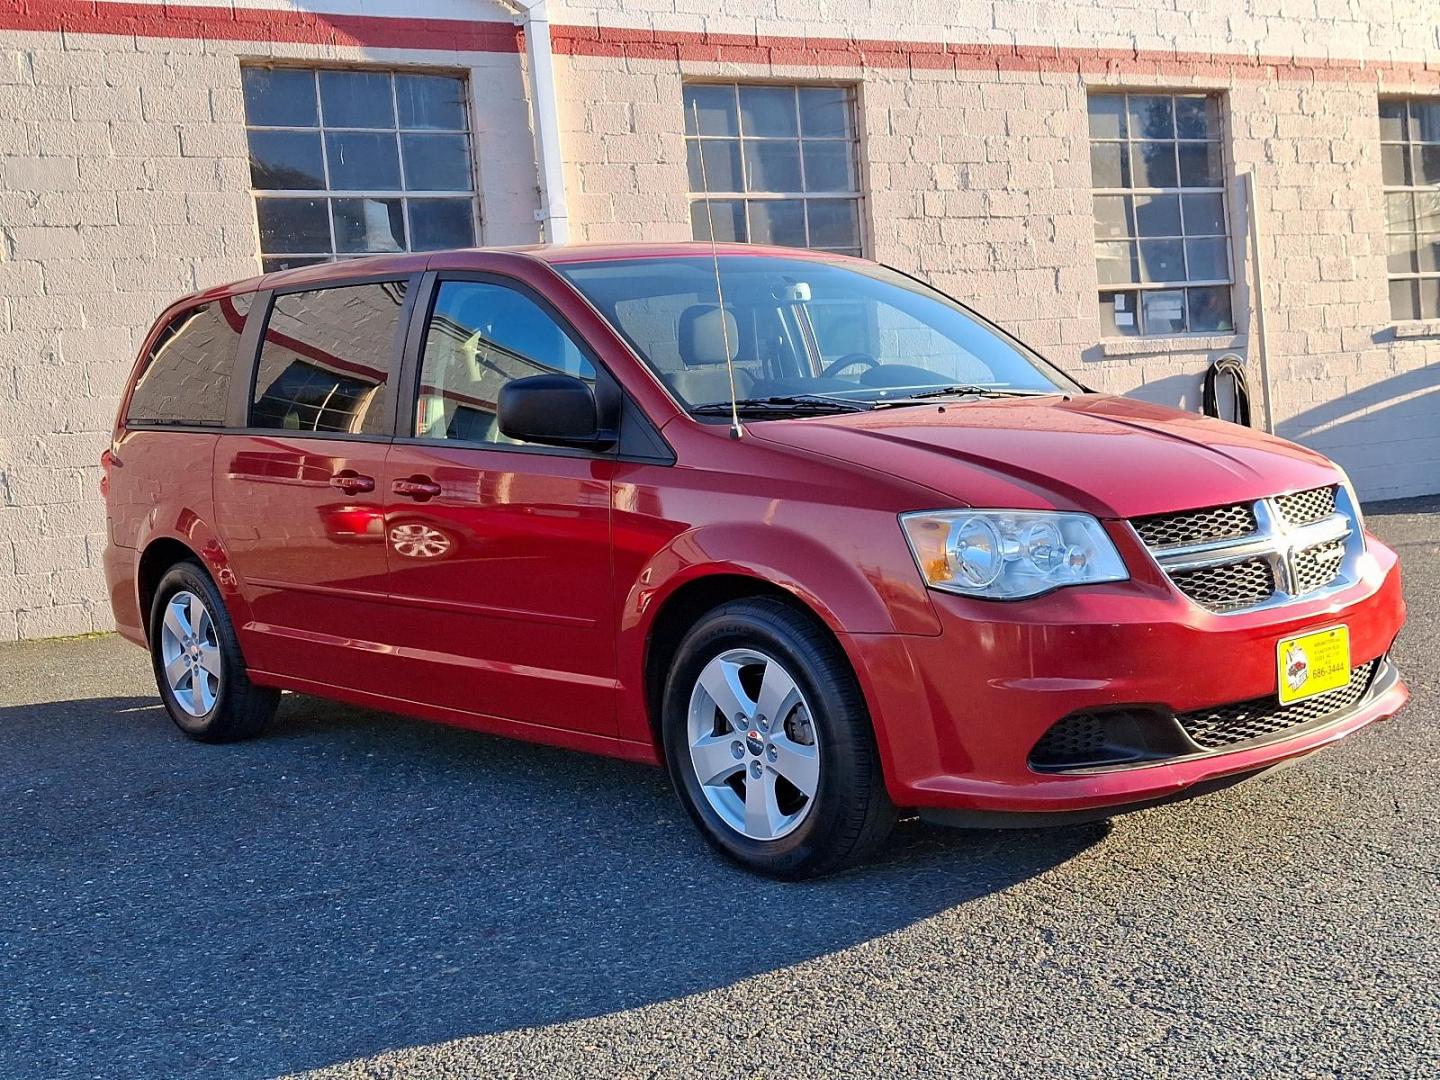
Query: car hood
x=1108, y=456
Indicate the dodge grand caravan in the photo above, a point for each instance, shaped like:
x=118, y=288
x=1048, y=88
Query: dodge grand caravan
x=816, y=537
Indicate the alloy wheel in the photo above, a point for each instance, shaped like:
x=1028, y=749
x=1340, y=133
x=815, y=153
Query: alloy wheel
x=753, y=744
x=190, y=653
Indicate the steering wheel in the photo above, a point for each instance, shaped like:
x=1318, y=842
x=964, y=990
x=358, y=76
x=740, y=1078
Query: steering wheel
x=849, y=360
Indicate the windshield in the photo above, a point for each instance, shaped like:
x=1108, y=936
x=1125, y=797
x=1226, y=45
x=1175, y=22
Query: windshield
x=854, y=331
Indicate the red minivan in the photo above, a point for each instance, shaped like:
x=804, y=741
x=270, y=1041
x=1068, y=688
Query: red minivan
x=817, y=537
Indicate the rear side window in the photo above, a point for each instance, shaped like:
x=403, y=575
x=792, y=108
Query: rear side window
x=186, y=377
x=325, y=361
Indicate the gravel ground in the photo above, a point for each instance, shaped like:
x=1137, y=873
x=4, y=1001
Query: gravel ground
x=365, y=896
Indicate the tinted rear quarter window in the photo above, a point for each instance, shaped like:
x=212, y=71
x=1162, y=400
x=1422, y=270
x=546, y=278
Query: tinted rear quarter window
x=326, y=357
x=186, y=377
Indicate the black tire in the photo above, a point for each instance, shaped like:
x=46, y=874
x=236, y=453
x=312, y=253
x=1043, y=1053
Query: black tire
x=240, y=709
x=850, y=812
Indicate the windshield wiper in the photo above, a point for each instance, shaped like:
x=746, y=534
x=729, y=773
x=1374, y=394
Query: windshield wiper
x=782, y=403
x=962, y=390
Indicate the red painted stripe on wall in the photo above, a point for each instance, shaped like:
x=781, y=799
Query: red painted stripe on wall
x=463, y=35
x=257, y=24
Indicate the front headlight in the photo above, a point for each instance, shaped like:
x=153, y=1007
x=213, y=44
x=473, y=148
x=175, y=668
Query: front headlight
x=1009, y=554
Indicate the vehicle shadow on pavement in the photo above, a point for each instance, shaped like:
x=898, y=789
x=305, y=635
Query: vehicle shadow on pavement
x=353, y=882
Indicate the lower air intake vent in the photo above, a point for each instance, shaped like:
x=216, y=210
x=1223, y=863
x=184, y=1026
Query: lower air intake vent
x=1226, y=725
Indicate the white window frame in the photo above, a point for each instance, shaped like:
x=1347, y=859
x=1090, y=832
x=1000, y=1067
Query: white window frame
x=1411, y=143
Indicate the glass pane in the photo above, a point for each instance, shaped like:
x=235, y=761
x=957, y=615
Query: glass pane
x=441, y=223
x=357, y=99
x=772, y=166
x=481, y=337
x=366, y=225
x=829, y=166
x=768, y=110
x=1404, y=299
x=1427, y=164
x=1164, y=311
x=1116, y=264
x=716, y=107
x=1157, y=215
x=1392, y=121
x=825, y=110
x=728, y=215
x=362, y=161
x=1151, y=117
x=1107, y=116
x=293, y=225
x=1429, y=252
x=1201, y=165
x=834, y=223
x=1401, y=255
x=1117, y=314
x=1154, y=164
x=186, y=378
x=1109, y=165
x=1427, y=211
x=436, y=162
x=1395, y=165
x=1205, y=260
x=435, y=102
x=778, y=221
x=1210, y=310
x=1112, y=217
x=1204, y=214
x=1399, y=212
x=721, y=165
x=290, y=262
x=1429, y=297
x=326, y=357
x=1197, y=118
x=286, y=160
x=279, y=97
x=1425, y=123
x=1161, y=260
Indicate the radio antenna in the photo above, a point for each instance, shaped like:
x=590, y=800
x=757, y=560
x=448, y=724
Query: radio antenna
x=736, y=431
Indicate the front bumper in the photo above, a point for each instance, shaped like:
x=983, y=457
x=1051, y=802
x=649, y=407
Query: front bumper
x=957, y=715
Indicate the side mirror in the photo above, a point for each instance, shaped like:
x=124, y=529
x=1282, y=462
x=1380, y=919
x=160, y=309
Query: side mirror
x=557, y=410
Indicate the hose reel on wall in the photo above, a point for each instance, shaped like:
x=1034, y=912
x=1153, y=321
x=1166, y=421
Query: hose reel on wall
x=1230, y=366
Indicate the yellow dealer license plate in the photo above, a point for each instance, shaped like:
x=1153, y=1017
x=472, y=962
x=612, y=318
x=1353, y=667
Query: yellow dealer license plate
x=1313, y=663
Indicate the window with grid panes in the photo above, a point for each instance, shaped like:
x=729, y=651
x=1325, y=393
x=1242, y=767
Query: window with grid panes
x=1162, y=243
x=1410, y=171
x=357, y=162
x=779, y=164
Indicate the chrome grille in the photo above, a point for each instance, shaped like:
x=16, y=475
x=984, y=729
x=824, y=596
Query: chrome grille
x=1196, y=526
x=1303, y=507
x=1226, y=725
x=1252, y=555
x=1229, y=587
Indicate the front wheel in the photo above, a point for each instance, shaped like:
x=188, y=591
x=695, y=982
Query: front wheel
x=769, y=743
x=198, y=667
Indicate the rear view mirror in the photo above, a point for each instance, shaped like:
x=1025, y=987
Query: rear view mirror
x=555, y=410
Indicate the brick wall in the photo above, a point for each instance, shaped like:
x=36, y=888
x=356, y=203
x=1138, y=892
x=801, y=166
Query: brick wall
x=123, y=185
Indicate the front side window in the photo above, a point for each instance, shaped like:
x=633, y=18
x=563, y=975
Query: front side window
x=853, y=331
x=779, y=164
x=1162, y=247
x=348, y=163
x=186, y=377
x=480, y=337
x=325, y=360
x=1410, y=170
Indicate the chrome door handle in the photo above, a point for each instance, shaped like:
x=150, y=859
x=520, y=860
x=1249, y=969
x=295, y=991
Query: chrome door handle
x=416, y=487
x=351, y=482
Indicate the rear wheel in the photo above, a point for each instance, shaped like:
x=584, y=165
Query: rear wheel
x=769, y=743
x=198, y=667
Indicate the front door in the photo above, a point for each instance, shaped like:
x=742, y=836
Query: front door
x=298, y=493
x=499, y=552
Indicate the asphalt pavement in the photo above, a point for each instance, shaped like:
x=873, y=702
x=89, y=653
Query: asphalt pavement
x=367, y=896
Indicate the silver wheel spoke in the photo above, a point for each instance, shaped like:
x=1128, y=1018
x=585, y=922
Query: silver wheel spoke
x=197, y=616
x=721, y=680
x=797, y=763
x=714, y=759
x=762, y=812
x=210, y=659
x=204, y=691
x=176, y=670
x=176, y=620
x=778, y=695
